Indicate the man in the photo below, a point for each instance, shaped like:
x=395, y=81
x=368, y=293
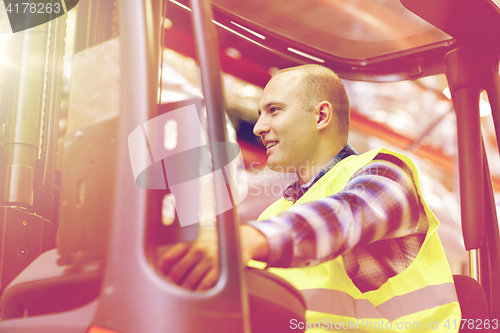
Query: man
x=360, y=239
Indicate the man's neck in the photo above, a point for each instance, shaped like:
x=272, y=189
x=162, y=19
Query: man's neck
x=306, y=174
x=311, y=168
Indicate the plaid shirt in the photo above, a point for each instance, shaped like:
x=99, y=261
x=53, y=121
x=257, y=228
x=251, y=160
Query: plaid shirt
x=376, y=223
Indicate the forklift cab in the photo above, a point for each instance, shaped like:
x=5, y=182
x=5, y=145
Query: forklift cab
x=88, y=162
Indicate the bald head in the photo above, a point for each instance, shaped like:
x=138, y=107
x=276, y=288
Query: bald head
x=317, y=84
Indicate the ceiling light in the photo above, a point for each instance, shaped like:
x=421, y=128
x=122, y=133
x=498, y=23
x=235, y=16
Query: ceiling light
x=238, y=34
x=233, y=53
x=249, y=30
x=181, y=5
x=167, y=24
x=305, y=55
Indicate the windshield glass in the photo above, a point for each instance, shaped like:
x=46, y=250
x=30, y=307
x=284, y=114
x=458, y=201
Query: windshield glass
x=352, y=29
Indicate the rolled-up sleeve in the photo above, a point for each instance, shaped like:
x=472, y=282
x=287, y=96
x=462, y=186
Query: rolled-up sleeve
x=378, y=202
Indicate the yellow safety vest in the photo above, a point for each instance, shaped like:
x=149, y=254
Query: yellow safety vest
x=422, y=298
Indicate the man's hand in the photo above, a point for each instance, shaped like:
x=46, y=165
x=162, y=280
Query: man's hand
x=195, y=265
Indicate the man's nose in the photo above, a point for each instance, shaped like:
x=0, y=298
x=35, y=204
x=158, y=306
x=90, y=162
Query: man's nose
x=261, y=126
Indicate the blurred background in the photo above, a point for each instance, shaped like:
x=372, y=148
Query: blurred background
x=415, y=117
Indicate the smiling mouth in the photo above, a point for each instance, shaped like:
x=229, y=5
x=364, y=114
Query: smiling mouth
x=271, y=144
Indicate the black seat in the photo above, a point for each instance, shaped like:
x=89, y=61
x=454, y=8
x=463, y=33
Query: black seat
x=274, y=302
x=472, y=300
x=45, y=288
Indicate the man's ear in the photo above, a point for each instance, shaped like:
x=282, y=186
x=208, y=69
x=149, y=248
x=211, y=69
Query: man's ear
x=324, y=115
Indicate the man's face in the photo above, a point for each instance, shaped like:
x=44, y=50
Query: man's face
x=287, y=129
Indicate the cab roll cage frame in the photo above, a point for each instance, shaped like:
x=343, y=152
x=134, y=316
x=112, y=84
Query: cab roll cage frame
x=470, y=68
x=471, y=65
x=140, y=41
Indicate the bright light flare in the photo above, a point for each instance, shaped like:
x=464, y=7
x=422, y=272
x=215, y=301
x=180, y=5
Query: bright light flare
x=484, y=108
x=447, y=92
x=3, y=47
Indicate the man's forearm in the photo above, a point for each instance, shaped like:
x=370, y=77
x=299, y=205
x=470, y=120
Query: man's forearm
x=254, y=244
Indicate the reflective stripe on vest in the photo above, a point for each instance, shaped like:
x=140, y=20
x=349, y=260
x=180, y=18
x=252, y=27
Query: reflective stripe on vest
x=342, y=304
x=423, y=291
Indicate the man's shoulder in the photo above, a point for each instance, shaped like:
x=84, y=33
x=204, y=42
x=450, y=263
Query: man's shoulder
x=386, y=156
x=279, y=205
x=385, y=161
